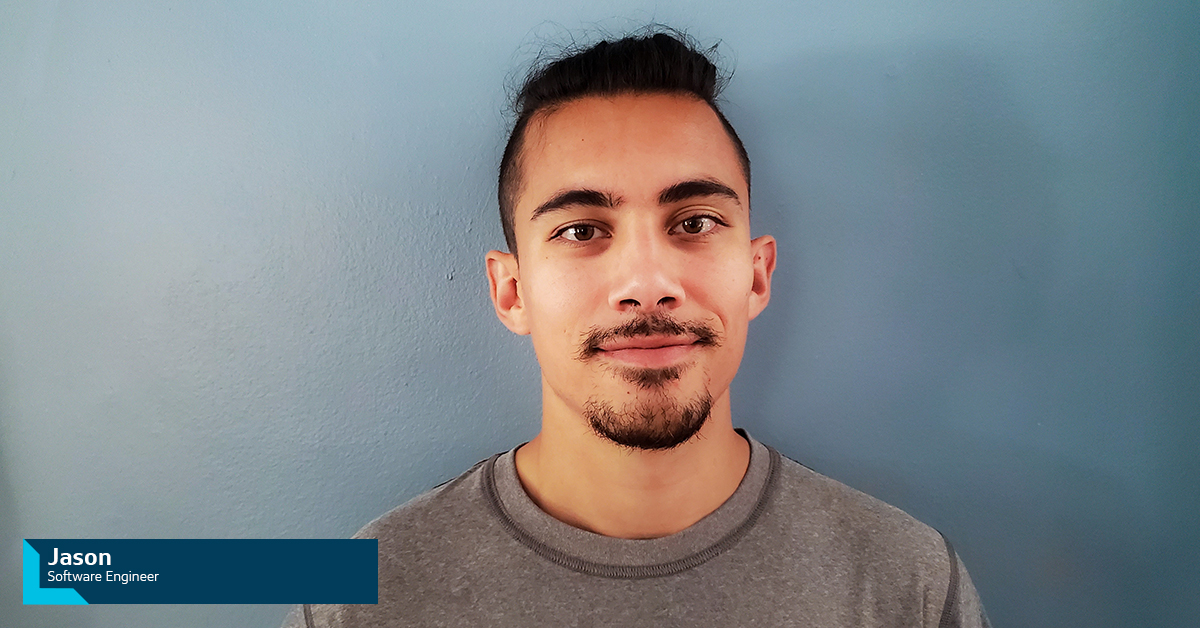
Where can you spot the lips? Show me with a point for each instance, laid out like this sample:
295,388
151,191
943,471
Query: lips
649,351
654,340
646,342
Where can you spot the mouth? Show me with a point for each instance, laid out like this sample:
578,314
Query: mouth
654,341
649,351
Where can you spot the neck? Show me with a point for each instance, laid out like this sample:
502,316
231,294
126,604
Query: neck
594,484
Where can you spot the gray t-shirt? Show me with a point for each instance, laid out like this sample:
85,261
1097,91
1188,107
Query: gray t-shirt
790,547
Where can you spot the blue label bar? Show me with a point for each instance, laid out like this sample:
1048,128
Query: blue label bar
201,571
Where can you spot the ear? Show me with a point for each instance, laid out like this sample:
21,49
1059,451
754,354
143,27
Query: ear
763,249
504,280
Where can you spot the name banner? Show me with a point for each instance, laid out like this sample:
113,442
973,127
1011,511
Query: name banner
200,571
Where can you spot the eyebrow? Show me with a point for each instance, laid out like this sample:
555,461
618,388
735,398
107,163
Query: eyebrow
583,197
684,190
695,188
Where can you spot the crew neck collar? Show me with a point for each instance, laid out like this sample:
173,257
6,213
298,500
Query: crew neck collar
611,557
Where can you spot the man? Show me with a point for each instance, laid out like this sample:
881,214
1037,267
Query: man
625,198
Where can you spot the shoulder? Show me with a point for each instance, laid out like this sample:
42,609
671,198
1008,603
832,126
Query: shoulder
448,506
433,520
833,509
420,542
854,540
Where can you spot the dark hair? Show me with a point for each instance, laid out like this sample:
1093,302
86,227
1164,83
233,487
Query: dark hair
653,63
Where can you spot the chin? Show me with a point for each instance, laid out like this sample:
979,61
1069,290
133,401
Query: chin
653,425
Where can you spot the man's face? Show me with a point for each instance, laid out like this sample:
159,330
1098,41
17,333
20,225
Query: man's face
637,277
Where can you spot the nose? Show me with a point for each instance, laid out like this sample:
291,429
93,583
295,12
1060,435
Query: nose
646,274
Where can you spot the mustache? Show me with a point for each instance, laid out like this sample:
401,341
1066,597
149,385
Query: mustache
648,325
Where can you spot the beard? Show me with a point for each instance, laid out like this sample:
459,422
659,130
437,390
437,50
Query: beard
661,421
649,426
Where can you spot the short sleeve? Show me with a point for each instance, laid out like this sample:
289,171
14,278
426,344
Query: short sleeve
962,609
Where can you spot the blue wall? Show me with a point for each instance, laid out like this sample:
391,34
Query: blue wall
241,288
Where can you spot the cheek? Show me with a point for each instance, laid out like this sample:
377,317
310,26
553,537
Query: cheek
729,298
723,287
557,305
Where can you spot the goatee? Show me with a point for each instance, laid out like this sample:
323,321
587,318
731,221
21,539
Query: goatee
649,427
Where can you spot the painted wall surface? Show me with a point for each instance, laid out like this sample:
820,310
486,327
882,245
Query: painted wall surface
241,287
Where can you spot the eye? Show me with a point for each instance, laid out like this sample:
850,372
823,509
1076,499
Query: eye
581,232
696,225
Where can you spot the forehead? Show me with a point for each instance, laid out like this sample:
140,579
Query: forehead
633,145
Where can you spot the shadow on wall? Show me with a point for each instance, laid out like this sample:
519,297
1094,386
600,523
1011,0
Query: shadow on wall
912,345
914,208
16,614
